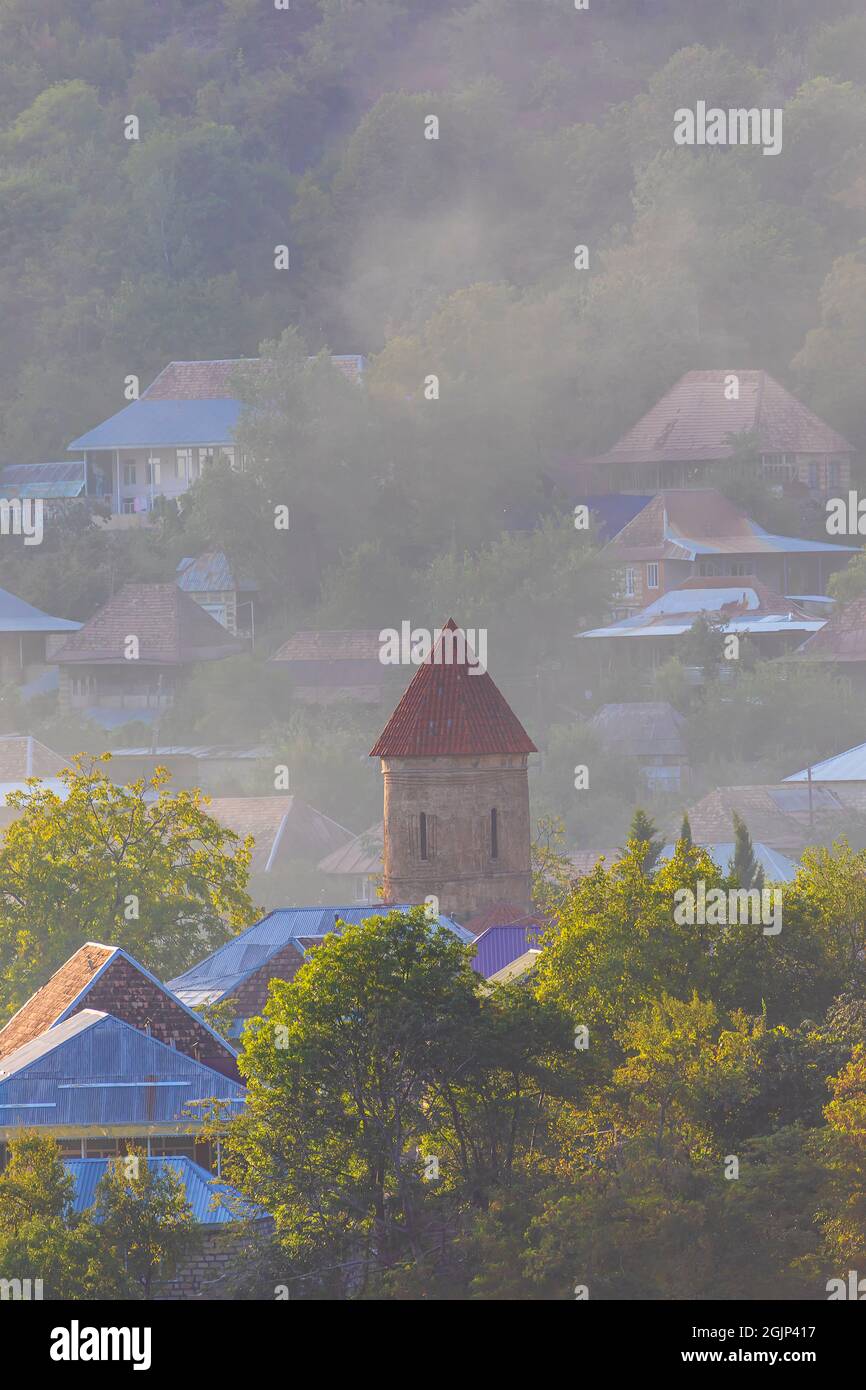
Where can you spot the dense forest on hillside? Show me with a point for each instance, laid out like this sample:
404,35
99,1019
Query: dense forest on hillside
260,127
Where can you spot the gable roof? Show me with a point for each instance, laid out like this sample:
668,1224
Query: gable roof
849,766
159,424
364,854
171,628
222,972
778,867
69,988
842,638
46,480
776,815
213,1203
22,755
213,380
211,572
683,523
349,644
504,914
188,403
451,708
693,419
641,728
497,947
18,616
94,1069
284,828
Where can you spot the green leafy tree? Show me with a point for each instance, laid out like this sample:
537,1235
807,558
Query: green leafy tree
137,866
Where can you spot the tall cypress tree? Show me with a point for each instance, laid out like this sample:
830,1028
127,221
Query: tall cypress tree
744,865
645,833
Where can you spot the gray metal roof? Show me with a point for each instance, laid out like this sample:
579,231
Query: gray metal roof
227,967
849,766
165,424
18,616
94,1069
778,868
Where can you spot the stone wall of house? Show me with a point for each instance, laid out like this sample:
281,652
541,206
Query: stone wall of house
219,1267
457,795
128,994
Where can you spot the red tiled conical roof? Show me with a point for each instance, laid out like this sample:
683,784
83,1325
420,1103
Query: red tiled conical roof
447,711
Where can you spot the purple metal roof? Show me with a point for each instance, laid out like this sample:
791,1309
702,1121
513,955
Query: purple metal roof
499,946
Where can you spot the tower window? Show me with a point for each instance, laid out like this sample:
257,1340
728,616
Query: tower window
494,834
422,835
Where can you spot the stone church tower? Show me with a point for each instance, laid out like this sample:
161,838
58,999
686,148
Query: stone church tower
454,762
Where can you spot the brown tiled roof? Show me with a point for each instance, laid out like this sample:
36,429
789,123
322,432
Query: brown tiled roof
692,420
172,629
447,711
22,755
45,1006
284,828
215,380
641,728
339,645
583,861
504,914
200,381
842,638
760,806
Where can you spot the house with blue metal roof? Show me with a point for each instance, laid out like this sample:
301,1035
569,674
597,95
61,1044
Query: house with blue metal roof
213,1203
98,1086
28,638
227,1226
211,581
157,446
275,949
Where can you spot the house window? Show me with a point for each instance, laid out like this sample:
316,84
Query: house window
707,568
494,834
423,846
153,472
184,464
128,506
205,456
130,474
629,582
780,466
652,575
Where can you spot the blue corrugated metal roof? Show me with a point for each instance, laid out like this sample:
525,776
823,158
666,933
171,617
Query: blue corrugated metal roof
778,868
93,1069
18,616
202,1189
232,963
164,424
210,573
